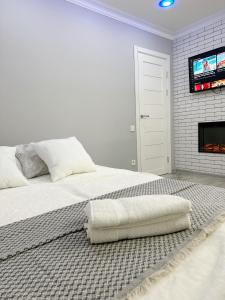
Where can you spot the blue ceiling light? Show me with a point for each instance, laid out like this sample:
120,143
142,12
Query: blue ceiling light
166,3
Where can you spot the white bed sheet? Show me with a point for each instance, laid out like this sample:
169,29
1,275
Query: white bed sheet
42,195
200,276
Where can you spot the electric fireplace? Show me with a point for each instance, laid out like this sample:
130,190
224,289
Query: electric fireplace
211,137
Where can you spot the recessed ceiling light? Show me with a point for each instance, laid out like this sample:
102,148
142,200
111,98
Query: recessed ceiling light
166,3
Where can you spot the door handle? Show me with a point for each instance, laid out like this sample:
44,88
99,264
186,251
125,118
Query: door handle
145,116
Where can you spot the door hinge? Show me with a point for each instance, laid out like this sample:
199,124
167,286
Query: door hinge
168,159
167,93
167,75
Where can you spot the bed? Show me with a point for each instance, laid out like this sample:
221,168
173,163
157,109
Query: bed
198,275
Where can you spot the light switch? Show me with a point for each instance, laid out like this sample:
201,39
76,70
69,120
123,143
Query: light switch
133,162
132,128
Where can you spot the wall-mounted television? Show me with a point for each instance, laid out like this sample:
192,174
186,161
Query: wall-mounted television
207,70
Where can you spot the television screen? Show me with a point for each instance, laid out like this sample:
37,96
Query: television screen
207,70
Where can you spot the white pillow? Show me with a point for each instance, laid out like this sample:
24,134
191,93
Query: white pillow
64,157
10,175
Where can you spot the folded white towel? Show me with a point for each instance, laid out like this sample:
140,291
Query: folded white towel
96,236
148,209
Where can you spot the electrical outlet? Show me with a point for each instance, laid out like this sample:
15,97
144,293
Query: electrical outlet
133,162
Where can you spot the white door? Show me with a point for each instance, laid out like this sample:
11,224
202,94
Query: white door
153,111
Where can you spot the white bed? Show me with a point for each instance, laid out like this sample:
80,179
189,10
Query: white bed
199,276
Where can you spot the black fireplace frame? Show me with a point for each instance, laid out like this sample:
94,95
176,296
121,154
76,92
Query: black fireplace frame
201,127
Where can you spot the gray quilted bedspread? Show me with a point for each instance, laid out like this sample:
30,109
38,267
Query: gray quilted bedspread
49,256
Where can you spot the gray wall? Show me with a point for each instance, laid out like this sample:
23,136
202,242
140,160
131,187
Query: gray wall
67,71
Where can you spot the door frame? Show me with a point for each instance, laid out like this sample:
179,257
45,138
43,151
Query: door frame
165,57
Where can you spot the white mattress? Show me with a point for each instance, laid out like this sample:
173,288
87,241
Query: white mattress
199,276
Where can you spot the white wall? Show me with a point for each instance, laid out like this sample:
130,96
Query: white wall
189,109
67,71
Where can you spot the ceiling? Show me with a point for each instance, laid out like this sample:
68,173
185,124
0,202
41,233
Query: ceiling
173,20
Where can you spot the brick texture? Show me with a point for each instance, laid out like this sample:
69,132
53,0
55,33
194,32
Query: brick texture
190,109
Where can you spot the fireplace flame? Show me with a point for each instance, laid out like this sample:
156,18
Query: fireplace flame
214,148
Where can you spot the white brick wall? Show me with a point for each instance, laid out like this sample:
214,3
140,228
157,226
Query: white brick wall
189,109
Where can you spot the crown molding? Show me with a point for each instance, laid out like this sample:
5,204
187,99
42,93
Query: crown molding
120,16
200,24
116,14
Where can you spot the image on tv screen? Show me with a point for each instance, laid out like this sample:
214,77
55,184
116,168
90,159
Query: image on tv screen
218,83
204,65
207,70
221,60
